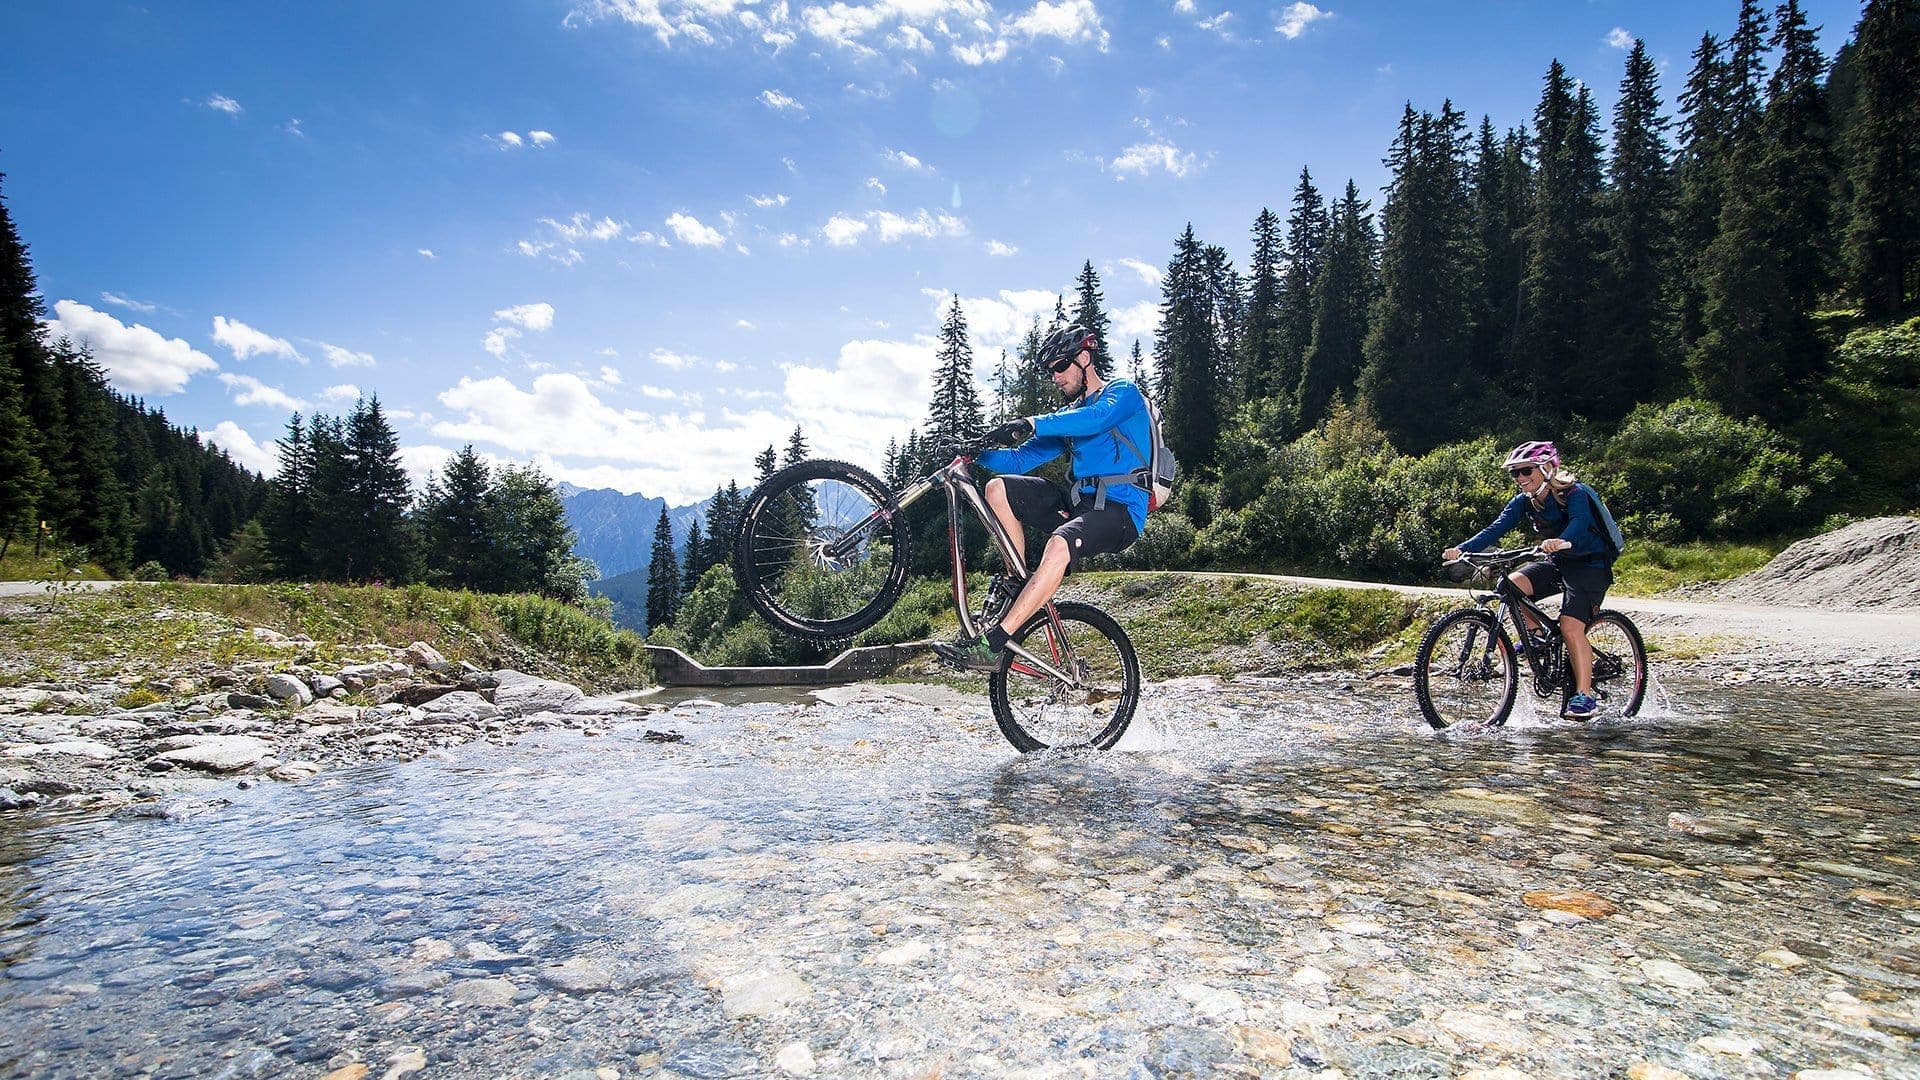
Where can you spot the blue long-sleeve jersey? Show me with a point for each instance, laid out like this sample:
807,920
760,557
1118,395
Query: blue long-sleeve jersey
1091,427
1574,523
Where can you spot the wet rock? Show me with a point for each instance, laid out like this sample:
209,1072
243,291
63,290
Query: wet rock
1668,973
1728,1045
518,694
1784,959
80,748
464,704
1484,1029
413,983
483,992
1718,830
762,993
214,753
1575,901
795,1059
580,975
1649,1070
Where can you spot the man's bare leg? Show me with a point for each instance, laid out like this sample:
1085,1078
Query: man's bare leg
1040,587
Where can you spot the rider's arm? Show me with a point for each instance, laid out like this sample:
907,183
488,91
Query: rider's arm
1026,457
1105,412
1510,516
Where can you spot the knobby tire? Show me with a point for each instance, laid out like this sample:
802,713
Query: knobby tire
786,569
1036,711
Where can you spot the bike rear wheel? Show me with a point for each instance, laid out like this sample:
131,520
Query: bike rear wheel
1619,665
821,553
1036,711
1465,672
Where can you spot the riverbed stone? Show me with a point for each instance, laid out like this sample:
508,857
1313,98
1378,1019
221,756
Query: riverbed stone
580,975
287,689
483,992
1574,901
519,694
762,993
214,753
1668,973
81,748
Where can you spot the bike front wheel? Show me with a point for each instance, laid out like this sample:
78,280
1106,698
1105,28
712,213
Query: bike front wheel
821,554
1092,706
1619,665
1465,672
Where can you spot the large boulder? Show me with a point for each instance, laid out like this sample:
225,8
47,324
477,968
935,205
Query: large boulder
1868,564
214,753
518,694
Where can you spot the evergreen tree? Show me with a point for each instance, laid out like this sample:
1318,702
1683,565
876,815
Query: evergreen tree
95,513
289,514
1883,238
1261,373
1184,352
454,523
1706,136
1088,312
1562,267
1763,272
954,415
796,447
1501,179
1747,73
1306,242
377,497
530,540
1137,368
22,478
693,560
765,464
1417,377
1226,317
663,576
1634,331
1342,295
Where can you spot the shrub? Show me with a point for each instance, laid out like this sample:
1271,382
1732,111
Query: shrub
1687,471
151,570
1868,411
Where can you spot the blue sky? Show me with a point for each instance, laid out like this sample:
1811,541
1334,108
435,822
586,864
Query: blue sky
635,241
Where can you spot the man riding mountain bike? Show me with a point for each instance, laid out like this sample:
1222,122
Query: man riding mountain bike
1105,428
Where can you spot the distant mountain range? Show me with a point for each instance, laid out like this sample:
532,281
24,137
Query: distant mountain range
616,533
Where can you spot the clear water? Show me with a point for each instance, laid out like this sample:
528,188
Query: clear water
1268,878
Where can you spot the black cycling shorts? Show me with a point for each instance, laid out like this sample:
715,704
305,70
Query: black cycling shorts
1039,502
1585,584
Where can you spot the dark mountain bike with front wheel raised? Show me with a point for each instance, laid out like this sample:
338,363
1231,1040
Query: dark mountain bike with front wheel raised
823,554
1468,669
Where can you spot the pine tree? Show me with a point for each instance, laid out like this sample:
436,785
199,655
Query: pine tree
1747,73
454,524
796,447
1417,379
1137,368
377,497
1634,330
22,478
529,539
1883,238
693,559
96,514
1226,308
1706,137
1088,312
1306,242
1260,370
1184,352
1501,179
289,514
1562,264
1763,272
953,415
1342,296
765,464
663,576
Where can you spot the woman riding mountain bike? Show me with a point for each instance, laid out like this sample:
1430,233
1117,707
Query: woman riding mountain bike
1580,550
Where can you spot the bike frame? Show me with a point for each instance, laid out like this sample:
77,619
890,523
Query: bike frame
957,482
1509,604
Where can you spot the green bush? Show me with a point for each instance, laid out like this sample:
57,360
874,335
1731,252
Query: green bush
1868,412
151,570
1687,471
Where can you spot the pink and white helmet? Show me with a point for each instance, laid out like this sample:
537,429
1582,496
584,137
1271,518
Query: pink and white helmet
1539,454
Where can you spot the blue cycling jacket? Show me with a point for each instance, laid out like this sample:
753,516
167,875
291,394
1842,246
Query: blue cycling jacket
1573,523
1090,425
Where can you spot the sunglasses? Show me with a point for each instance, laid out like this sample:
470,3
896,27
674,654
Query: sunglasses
1061,365
1524,470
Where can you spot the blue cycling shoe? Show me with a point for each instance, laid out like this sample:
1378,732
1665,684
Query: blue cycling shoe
1580,707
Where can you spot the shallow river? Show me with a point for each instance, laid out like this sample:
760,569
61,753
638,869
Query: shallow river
1281,878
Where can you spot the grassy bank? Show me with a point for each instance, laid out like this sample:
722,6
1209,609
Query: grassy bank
1648,567
156,629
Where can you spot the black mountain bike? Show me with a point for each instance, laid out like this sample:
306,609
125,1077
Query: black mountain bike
822,554
1467,671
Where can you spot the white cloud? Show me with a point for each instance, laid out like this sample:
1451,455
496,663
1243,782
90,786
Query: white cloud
874,391
535,317
690,231
132,305
725,367
136,359
1220,24
508,140
292,127
874,184
995,247
1297,17
667,358
1142,158
906,161
341,392
243,449
343,357
894,227
1139,320
541,138
581,226
988,52
1069,21
1148,272
223,103
843,231
251,391
996,322
779,102
764,201
497,340
1619,38
609,375
244,341
745,324
427,253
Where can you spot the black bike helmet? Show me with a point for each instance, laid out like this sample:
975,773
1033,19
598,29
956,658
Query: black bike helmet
1065,344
